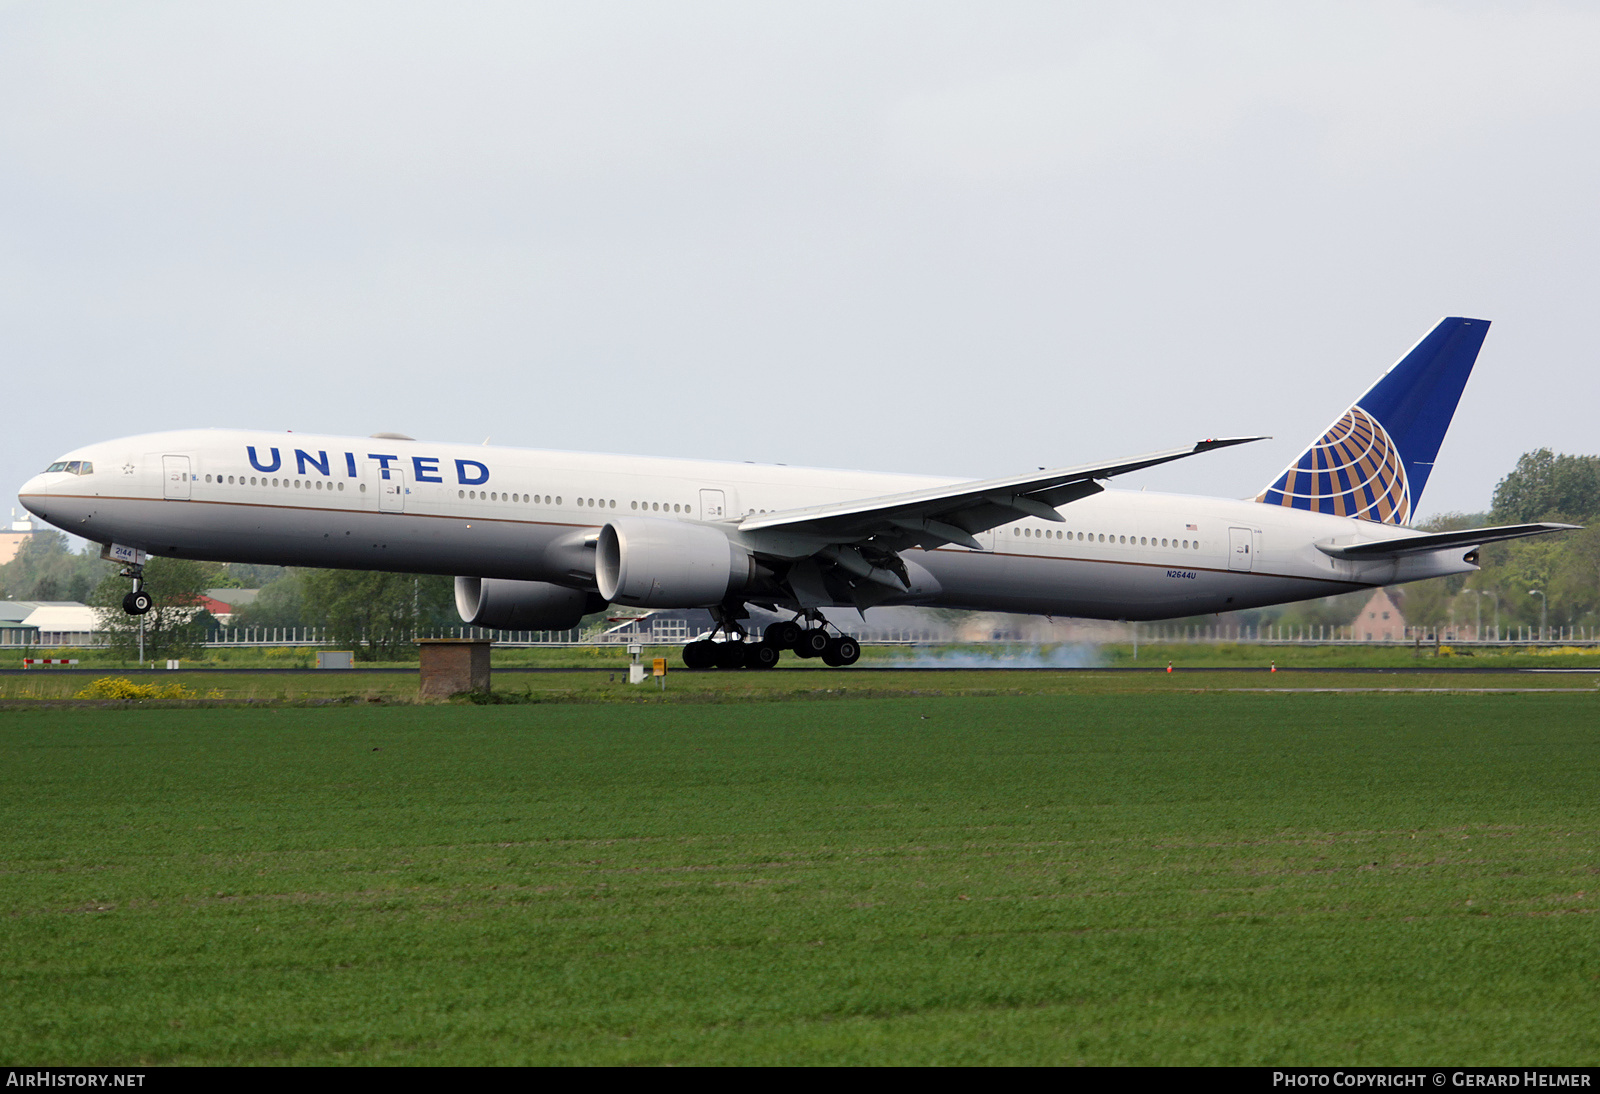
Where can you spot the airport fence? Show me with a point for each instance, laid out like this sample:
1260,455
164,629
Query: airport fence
1091,633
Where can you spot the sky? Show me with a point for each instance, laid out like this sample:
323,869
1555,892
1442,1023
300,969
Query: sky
965,239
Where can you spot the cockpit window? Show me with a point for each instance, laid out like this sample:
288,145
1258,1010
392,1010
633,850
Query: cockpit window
59,465
71,467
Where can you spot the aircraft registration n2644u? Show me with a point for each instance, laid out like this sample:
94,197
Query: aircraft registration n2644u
537,539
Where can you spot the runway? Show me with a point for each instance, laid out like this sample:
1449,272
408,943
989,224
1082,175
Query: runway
854,670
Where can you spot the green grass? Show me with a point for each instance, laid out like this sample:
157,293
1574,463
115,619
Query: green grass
1114,877
609,684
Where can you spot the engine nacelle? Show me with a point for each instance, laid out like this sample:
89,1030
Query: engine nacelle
504,605
648,563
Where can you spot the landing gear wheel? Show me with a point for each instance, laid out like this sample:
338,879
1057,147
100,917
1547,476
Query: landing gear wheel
730,655
841,651
137,603
700,655
761,655
812,642
783,636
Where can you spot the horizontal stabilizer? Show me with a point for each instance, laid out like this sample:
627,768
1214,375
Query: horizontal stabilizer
1437,541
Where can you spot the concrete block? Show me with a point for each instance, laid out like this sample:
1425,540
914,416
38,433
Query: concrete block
449,667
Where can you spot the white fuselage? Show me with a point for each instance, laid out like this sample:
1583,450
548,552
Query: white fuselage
400,505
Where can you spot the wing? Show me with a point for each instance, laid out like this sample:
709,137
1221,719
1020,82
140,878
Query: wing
946,514
1437,541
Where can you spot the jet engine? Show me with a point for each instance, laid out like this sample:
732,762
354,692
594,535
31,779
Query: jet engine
502,604
648,563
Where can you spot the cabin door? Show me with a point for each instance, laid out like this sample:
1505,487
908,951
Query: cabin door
392,490
175,472
712,505
1239,549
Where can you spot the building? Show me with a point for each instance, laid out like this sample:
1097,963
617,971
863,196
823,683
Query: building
48,623
14,629
64,623
223,603
1380,619
13,536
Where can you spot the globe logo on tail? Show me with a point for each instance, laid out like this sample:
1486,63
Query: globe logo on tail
1353,470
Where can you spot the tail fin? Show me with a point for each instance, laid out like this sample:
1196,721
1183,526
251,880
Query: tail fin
1374,461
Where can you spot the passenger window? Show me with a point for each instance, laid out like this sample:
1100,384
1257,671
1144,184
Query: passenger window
341,486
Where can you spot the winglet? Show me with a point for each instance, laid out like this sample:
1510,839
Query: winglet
1212,443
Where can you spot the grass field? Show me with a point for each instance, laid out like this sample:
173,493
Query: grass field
1126,874
609,685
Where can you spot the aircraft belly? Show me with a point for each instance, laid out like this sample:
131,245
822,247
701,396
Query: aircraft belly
292,536
1110,589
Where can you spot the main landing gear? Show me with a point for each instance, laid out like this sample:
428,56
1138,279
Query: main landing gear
735,651
807,635
137,602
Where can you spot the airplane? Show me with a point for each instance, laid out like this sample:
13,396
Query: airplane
538,539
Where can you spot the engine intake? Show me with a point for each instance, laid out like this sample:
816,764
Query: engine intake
504,605
649,563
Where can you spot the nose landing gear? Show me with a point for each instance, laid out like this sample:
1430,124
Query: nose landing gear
137,602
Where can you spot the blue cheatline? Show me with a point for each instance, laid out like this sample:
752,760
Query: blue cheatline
1374,461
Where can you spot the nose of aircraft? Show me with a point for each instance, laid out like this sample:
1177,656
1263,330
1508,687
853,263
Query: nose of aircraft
30,488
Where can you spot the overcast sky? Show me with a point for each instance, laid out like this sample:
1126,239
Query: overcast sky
955,238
